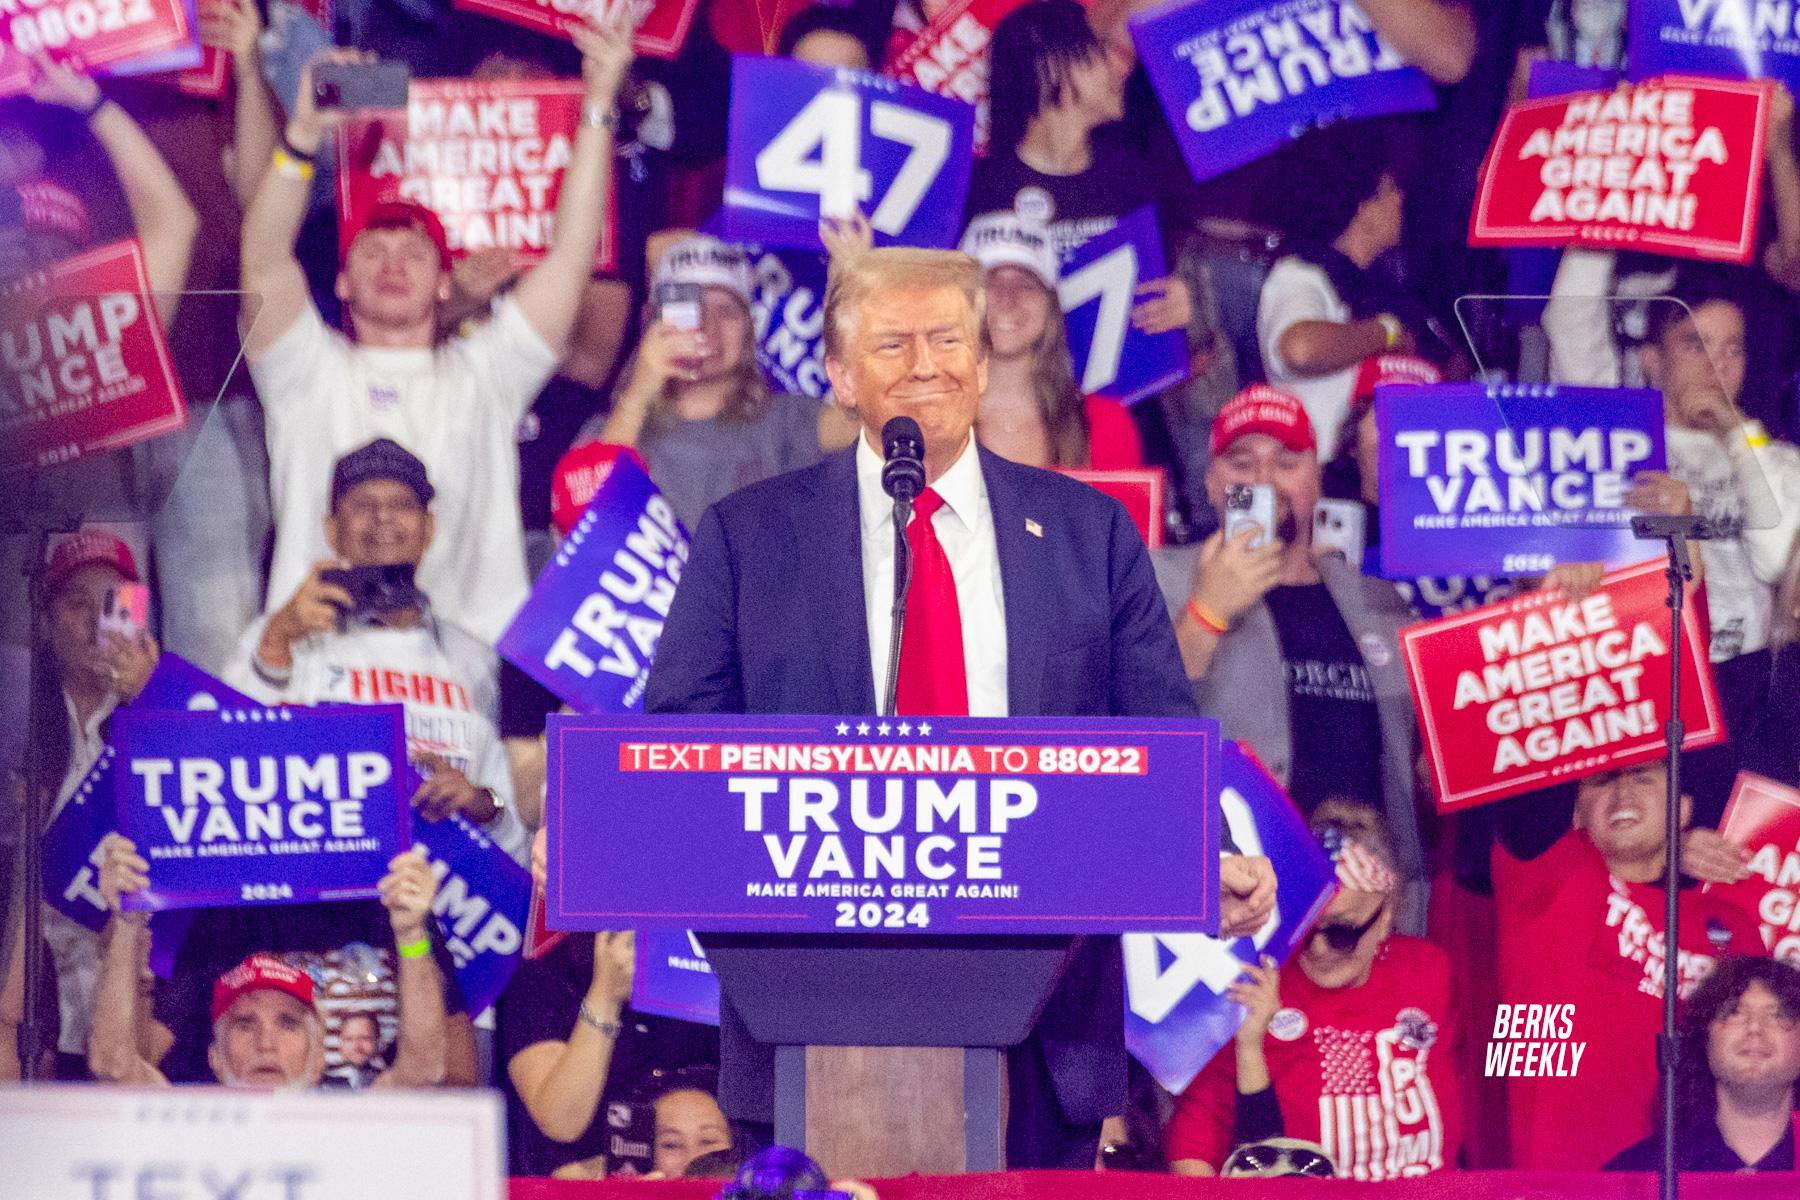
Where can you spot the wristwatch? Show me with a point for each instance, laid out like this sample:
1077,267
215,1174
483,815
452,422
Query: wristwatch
596,117
498,801
590,1017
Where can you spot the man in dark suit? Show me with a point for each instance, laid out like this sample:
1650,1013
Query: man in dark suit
1030,595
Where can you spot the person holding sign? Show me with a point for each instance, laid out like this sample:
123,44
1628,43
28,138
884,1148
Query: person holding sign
1581,958
1032,411
455,403
694,402
268,1030
1297,653
1032,595
1299,1066
358,631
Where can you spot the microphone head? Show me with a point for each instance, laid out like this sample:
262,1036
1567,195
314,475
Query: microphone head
903,446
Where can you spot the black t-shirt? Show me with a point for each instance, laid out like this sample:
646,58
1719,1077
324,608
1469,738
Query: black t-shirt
1703,1149
347,948
1332,713
1116,184
542,1004
545,434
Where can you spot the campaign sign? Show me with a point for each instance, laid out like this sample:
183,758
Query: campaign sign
1554,77
1511,481
84,366
72,841
262,806
1672,166
89,33
1540,689
1097,290
1763,816
935,825
788,305
808,142
483,898
487,156
1140,491
590,626
673,978
662,25
950,56
1238,79
1734,39
1177,1015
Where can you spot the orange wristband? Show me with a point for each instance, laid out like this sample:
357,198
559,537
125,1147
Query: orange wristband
1205,619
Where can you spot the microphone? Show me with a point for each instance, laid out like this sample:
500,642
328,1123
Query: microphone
903,446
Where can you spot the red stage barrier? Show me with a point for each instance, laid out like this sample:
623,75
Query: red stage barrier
1073,1185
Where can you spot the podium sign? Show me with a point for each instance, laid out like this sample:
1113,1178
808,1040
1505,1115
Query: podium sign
812,825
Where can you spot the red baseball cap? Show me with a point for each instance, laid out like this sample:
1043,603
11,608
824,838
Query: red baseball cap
1260,408
85,547
578,475
1379,370
257,973
405,214
51,208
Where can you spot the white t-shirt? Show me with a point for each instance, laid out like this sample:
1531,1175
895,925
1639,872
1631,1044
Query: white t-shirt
457,406
1757,502
1296,291
447,681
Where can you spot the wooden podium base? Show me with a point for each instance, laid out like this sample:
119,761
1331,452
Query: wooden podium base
872,1112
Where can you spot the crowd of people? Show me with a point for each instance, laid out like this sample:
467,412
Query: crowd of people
395,412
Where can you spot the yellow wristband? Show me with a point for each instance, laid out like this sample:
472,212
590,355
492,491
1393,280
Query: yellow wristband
418,949
1204,617
291,167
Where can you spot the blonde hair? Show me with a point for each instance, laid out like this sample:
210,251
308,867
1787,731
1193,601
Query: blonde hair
900,267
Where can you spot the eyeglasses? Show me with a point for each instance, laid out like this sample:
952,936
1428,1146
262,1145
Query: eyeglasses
1265,1159
1741,1018
1345,938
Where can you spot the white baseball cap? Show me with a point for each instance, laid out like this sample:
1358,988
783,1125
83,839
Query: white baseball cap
1004,239
707,261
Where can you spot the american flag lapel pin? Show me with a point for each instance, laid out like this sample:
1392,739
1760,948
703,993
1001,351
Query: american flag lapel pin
1033,528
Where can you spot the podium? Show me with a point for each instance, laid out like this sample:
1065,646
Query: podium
889,1050
887,907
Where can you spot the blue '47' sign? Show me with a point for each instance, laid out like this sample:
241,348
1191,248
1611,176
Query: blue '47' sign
808,142
1238,78
1097,290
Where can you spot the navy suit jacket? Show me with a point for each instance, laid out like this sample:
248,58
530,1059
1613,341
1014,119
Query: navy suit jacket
770,618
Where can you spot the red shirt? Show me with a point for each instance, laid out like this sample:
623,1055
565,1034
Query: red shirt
1572,933
1367,1072
1113,442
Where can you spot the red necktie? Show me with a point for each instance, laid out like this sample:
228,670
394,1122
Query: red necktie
932,679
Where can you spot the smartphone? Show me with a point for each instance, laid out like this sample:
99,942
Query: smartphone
1341,525
630,1138
374,590
126,611
1250,504
361,85
678,304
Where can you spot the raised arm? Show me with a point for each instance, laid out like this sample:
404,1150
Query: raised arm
561,1083
419,1053
114,1054
165,222
267,268
1436,36
550,292
236,26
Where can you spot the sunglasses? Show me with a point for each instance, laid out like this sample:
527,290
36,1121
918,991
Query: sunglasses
1261,1159
1345,938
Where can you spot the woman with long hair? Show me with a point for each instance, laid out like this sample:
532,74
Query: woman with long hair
1735,1082
1032,411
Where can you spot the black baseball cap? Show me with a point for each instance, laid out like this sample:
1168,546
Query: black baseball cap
382,458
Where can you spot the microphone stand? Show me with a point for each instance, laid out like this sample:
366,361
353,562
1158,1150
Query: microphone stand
1674,532
902,576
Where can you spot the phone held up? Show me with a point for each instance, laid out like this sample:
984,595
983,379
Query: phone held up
1248,505
355,86
678,305
126,613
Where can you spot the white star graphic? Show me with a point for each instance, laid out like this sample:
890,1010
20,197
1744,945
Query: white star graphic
843,727
905,729
884,729
863,728
924,729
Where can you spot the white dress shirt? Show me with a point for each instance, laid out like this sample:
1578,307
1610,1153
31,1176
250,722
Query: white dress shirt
965,528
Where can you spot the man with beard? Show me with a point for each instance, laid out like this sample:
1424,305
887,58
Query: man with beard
1297,654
